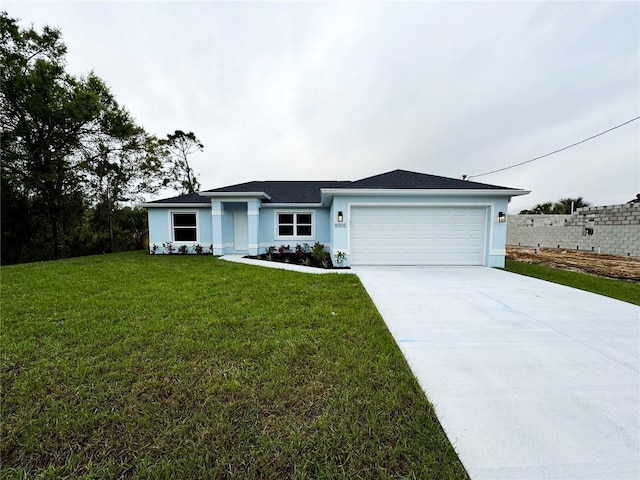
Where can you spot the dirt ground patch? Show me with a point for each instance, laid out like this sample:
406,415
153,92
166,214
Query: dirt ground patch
612,266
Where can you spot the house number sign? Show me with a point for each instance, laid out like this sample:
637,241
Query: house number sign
340,225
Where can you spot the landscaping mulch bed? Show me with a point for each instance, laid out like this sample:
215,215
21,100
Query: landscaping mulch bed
611,266
296,259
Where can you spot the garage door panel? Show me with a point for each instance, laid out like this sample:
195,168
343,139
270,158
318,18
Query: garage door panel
418,235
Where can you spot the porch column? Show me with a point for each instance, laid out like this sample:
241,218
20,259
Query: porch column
216,221
253,216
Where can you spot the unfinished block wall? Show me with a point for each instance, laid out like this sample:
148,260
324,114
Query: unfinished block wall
613,229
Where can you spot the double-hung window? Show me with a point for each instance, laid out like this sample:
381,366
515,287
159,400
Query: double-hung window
295,224
184,226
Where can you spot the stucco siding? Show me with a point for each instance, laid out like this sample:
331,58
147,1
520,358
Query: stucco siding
159,230
206,232
266,229
323,223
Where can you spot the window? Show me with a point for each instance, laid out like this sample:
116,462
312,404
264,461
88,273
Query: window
295,224
185,228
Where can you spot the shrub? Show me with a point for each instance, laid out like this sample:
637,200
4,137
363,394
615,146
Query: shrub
270,251
320,255
317,251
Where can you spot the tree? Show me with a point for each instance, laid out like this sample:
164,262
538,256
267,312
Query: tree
24,226
540,208
179,146
120,169
53,125
569,205
35,92
562,206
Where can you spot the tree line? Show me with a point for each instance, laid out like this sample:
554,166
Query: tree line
72,158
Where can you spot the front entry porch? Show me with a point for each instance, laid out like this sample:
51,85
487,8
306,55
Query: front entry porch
235,226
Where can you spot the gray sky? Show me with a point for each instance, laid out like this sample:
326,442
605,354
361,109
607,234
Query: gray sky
341,91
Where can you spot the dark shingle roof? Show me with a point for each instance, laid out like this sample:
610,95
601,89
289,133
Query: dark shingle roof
309,191
285,191
403,179
189,198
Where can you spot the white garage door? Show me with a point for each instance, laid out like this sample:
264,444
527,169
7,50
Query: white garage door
418,235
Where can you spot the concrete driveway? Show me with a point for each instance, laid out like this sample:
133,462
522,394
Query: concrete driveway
529,379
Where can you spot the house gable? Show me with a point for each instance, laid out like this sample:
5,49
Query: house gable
405,180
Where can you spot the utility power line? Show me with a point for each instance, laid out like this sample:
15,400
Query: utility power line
468,177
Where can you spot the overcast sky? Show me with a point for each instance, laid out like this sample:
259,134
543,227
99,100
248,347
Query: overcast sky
342,91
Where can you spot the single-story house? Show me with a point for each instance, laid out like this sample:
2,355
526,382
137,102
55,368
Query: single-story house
395,218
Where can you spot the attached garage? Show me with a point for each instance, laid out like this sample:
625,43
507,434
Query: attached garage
418,235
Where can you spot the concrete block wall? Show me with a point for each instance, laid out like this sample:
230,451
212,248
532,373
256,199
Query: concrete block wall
612,229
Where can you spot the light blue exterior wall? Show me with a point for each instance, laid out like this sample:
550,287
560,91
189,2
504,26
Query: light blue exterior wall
160,227
496,232
262,235
323,230
266,229
267,232
206,236
159,230
216,223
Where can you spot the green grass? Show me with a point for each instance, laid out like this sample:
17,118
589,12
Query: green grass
618,289
138,366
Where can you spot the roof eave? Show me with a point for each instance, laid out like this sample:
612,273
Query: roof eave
262,195
173,205
293,205
485,192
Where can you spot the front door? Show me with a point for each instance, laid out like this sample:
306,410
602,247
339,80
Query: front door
240,231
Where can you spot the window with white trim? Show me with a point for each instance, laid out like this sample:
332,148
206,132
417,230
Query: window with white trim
184,226
295,224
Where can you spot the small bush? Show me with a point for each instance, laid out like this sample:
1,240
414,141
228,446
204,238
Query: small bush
270,252
320,255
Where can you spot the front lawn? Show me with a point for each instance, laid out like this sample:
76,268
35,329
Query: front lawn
139,366
626,291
